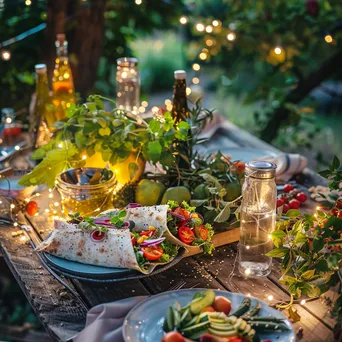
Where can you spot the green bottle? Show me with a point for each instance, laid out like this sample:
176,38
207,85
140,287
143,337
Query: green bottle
180,110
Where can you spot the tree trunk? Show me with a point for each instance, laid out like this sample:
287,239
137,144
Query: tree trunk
87,44
304,87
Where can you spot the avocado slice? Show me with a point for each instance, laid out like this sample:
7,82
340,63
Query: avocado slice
207,300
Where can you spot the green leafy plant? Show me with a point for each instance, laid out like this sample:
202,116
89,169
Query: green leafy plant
115,135
310,248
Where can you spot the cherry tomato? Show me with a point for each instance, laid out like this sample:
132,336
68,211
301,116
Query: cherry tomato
98,236
334,212
222,304
294,204
152,252
208,309
240,166
339,214
202,232
285,199
288,187
148,233
301,197
133,239
235,339
173,336
338,204
32,208
286,208
280,202
183,212
186,235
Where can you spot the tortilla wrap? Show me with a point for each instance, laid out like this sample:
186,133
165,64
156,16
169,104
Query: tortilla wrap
152,216
114,250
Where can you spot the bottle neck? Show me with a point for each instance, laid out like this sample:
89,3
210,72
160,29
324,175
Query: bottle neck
42,87
62,51
179,88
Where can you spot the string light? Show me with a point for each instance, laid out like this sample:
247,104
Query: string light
23,238
328,38
248,294
144,103
47,210
209,29
247,271
200,27
183,20
17,148
216,23
37,194
270,297
28,2
195,80
5,55
155,109
188,91
12,206
302,302
278,50
84,157
56,204
8,120
209,42
138,2
142,109
167,102
203,56
196,66
15,224
169,107
231,36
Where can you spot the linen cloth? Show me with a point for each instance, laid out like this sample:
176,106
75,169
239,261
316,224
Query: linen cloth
104,321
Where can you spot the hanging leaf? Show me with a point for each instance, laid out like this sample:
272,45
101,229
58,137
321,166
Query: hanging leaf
224,214
154,150
133,168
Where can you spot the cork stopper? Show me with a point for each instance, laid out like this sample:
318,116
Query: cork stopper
180,75
61,37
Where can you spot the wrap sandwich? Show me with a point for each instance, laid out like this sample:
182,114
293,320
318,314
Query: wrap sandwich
116,239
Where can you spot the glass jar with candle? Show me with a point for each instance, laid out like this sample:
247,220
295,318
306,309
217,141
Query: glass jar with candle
82,191
128,84
258,216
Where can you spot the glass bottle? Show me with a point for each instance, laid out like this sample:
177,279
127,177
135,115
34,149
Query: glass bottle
10,129
180,109
128,84
43,113
62,81
258,217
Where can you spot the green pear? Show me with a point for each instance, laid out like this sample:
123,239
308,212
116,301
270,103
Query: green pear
149,192
178,193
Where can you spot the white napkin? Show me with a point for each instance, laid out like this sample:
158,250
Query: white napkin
288,164
104,321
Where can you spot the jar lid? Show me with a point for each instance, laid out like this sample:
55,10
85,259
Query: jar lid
40,68
261,169
7,112
180,75
127,61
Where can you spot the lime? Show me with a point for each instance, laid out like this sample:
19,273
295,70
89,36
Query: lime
178,193
200,192
233,191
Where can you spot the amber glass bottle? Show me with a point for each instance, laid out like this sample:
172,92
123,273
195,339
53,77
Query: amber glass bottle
180,109
62,81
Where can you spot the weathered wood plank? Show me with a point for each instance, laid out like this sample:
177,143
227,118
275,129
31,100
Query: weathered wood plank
61,315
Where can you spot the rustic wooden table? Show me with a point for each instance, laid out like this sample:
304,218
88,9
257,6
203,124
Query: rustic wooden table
63,315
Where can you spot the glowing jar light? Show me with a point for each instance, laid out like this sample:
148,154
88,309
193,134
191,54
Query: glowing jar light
128,84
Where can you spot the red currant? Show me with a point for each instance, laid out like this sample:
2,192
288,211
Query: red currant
301,197
286,208
294,204
32,208
334,212
339,214
288,187
280,202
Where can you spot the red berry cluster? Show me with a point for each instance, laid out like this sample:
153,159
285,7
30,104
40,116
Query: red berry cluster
291,198
337,210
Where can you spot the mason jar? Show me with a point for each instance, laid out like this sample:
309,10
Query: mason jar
257,218
86,199
128,84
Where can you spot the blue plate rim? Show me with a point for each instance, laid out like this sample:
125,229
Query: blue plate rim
125,322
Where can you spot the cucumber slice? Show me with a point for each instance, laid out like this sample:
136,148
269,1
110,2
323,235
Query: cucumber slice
191,322
242,326
217,320
169,320
237,324
201,327
221,327
232,319
208,299
185,317
231,333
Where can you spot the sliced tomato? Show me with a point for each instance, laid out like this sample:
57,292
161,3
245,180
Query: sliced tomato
186,235
133,239
202,232
153,252
97,236
183,212
148,233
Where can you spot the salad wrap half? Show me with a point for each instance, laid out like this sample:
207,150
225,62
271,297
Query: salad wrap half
99,241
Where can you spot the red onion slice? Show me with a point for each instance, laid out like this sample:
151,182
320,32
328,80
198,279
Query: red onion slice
133,205
152,242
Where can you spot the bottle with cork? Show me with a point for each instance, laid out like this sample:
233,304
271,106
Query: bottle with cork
62,80
180,111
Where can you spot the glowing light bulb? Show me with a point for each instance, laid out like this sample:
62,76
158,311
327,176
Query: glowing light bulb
12,206
270,297
56,204
47,210
50,195
8,120
28,2
84,157
138,2
183,20
203,56
155,109
23,238
209,29
247,247
248,294
195,80
144,103
303,301
196,66
188,91
216,23
200,27
15,224
247,271
17,148
231,36
142,109
328,38
278,50
167,102
169,107
60,145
